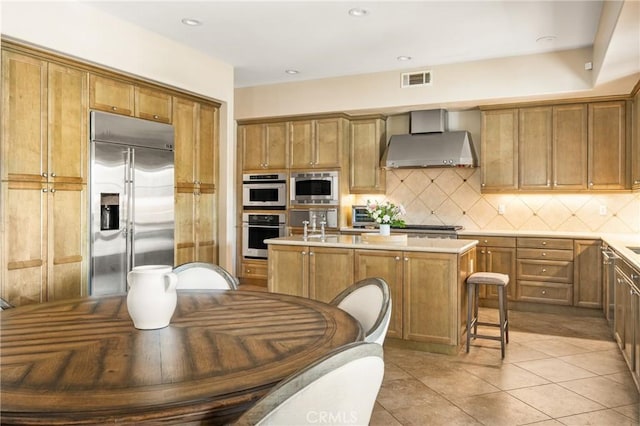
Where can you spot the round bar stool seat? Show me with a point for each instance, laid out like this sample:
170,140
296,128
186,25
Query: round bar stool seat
501,281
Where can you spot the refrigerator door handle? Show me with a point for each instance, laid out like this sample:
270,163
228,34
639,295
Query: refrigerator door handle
128,173
132,207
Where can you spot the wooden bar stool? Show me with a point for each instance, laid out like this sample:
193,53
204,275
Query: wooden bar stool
473,283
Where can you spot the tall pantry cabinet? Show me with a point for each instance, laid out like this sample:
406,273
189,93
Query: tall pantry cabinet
196,127
44,176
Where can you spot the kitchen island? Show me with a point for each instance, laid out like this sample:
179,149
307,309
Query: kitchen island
426,277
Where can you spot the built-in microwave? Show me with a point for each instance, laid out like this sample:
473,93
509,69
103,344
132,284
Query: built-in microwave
315,188
264,191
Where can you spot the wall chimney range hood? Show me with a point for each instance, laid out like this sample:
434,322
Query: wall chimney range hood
429,144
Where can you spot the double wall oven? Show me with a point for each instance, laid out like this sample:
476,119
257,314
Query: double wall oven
261,193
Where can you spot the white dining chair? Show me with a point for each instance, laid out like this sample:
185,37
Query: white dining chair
200,275
4,304
340,388
368,301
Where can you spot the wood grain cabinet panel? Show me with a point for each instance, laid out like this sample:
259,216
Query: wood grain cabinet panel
115,96
366,148
570,147
387,265
263,145
288,270
196,144
330,272
587,285
499,146
496,254
534,145
24,117
607,145
316,143
153,105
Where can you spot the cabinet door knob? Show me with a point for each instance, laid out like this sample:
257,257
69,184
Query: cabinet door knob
397,257
44,175
155,116
544,243
406,259
590,184
544,291
544,270
114,108
53,190
482,184
303,253
482,251
53,174
544,254
44,189
310,253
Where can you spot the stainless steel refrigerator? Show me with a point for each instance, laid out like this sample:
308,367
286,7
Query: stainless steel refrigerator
132,202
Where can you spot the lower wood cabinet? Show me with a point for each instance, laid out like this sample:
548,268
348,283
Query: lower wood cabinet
320,273
45,253
428,290
496,254
195,225
587,274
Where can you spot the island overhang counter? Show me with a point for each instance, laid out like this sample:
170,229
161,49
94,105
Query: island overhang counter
426,277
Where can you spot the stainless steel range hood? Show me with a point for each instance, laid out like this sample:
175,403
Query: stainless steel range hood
430,144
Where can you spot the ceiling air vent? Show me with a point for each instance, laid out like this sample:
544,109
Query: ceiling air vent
417,78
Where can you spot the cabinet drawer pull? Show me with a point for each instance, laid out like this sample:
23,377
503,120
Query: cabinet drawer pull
544,243
544,270
544,291
544,254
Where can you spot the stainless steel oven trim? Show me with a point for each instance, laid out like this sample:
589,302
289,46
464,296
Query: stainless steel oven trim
281,203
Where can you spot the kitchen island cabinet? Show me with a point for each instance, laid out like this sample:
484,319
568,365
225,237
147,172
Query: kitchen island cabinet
426,277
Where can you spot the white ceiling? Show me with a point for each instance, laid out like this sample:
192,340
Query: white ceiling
320,39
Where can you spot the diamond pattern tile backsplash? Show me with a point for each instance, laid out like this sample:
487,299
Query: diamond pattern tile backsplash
452,197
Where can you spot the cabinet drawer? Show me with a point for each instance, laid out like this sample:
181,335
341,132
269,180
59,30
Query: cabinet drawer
544,254
543,270
543,292
484,240
546,243
254,269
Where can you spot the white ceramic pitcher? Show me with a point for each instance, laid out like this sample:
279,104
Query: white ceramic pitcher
152,296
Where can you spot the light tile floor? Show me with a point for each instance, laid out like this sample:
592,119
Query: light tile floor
558,370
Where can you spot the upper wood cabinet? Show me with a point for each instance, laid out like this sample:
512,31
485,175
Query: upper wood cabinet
367,144
153,105
264,146
534,147
316,143
121,97
499,150
565,147
607,145
569,147
195,127
44,120
110,95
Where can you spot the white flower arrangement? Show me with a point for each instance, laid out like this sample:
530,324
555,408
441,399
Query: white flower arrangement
386,213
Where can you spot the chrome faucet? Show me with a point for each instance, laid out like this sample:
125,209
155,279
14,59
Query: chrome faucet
305,233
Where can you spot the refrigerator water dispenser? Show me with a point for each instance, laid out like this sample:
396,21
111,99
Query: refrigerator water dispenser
109,211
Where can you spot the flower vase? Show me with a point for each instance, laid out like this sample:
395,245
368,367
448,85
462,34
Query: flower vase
385,229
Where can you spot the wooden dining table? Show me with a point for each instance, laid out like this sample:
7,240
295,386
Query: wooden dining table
81,361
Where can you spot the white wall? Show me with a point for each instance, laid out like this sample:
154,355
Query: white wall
455,86
75,29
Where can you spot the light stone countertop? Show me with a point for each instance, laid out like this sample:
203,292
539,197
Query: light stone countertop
430,245
619,242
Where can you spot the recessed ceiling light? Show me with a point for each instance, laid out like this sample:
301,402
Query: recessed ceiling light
549,39
358,12
292,72
191,22
404,58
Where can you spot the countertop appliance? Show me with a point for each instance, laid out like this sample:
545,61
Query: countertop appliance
360,218
266,191
132,202
430,144
258,227
315,188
